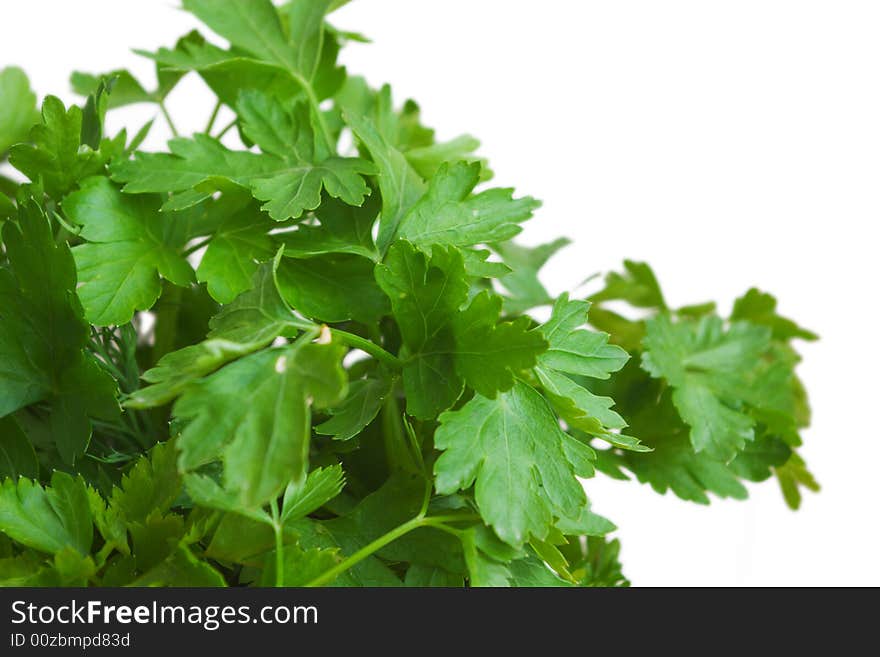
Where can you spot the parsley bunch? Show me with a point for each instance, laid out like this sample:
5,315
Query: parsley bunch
310,360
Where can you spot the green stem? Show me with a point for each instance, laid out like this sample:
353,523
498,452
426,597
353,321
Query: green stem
198,245
167,116
426,496
106,363
316,109
396,449
213,118
446,528
369,347
278,529
366,551
229,126
167,311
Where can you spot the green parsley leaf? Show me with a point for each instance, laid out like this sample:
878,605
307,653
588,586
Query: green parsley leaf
131,247
55,158
314,255
239,242
332,288
514,451
488,354
18,107
525,290
263,450
425,293
448,214
760,308
705,365
357,410
47,519
43,337
400,185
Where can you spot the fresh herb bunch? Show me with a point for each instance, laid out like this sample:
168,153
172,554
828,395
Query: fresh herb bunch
299,363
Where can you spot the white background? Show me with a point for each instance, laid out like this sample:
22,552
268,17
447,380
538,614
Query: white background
730,144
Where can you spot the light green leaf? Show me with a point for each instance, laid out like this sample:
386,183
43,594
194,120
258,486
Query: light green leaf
322,485
532,572
427,160
227,73
297,188
248,324
343,229
131,246
151,486
110,522
425,294
300,566
204,491
18,107
579,407
357,410
239,242
760,308
674,466
55,157
513,450
332,288
488,354
254,26
305,19
792,476
191,164
525,290
400,185
449,214
707,367
234,413
181,568
576,350
47,519
483,571
637,285
289,181
126,90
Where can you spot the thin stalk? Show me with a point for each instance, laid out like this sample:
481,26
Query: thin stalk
229,126
167,311
426,497
316,109
167,116
368,346
213,118
446,528
107,364
396,450
419,521
278,529
198,245
366,551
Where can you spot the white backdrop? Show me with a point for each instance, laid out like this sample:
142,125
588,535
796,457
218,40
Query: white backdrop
729,144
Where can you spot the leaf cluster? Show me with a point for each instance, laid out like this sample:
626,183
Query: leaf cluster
302,349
